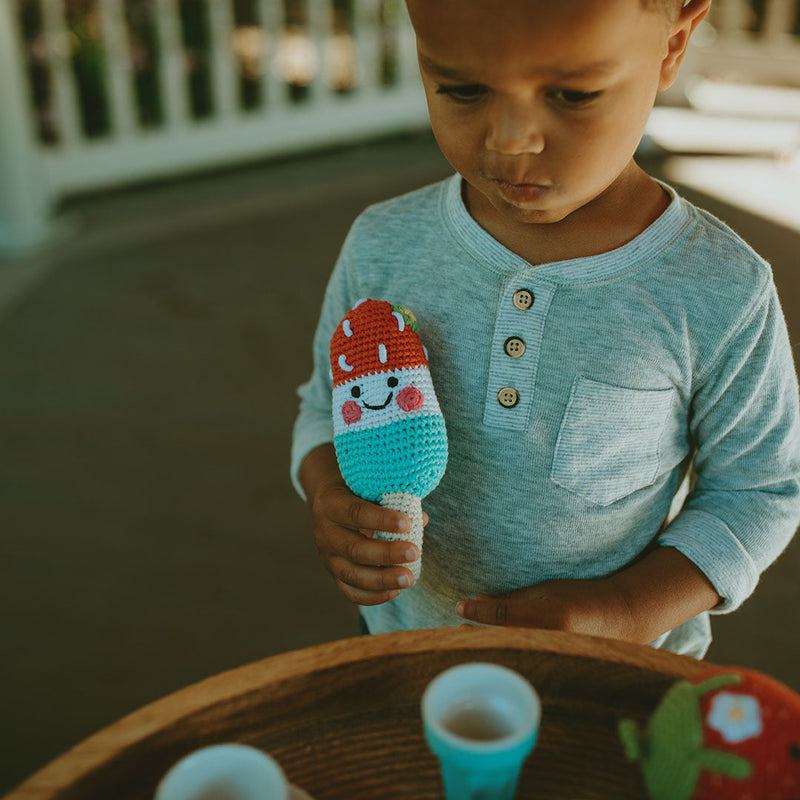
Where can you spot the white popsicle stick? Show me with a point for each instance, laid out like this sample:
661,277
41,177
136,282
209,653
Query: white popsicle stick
411,506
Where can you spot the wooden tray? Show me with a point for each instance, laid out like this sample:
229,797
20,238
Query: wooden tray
343,718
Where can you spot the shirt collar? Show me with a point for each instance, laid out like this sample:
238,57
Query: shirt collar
488,251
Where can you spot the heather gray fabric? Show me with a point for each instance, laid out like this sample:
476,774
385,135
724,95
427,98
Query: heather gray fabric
670,346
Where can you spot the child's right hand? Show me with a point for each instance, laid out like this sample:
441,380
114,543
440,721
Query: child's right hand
367,571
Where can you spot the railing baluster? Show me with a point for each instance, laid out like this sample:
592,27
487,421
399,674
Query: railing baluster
172,64
271,18
408,66
779,17
58,42
120,68
368,44
318,21
25,198
732,17
224,69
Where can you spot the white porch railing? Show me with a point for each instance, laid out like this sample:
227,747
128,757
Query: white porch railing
101,93
270,77
756,42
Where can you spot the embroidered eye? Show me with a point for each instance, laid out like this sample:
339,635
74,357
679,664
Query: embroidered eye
392,382
794,751
356,391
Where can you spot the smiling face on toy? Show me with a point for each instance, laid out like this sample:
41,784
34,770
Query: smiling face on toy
382,398
367,394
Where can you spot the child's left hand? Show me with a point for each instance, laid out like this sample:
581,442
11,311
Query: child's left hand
653,595
594,607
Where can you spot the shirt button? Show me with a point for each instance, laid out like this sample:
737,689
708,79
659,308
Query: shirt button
508,397
522,299
514,347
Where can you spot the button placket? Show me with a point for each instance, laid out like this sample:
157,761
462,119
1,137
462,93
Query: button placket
515,354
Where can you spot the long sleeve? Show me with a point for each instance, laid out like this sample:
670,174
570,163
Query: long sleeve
314,423
745,505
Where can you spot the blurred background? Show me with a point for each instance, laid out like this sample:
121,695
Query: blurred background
176,178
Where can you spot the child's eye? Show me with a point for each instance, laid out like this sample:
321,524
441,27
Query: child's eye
573,98
467,93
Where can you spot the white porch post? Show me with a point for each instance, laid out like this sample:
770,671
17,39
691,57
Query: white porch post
24,203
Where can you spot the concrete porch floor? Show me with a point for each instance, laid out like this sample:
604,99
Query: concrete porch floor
148,370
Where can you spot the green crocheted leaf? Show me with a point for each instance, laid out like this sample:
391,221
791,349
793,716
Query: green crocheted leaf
409,318
714,683
676,724
728,764
674,741
671,751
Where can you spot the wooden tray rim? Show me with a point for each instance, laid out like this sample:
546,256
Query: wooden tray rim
148,720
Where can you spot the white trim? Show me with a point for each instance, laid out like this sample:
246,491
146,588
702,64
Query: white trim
101,164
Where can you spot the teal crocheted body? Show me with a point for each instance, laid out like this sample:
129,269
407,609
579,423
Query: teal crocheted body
408,455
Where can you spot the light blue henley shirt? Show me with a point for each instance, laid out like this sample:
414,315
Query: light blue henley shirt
670,347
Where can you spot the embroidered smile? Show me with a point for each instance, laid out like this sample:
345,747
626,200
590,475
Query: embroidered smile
378,408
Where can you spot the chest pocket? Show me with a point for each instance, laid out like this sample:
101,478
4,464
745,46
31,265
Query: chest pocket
610,440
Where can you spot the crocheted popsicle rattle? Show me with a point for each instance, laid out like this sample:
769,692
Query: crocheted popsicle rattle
726,734
389,433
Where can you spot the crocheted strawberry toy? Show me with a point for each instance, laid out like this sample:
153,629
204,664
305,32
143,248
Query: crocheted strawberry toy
728,734
389,433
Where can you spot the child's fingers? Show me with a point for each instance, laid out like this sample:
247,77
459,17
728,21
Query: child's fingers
353,512
363,550
370,579
425,520
365,598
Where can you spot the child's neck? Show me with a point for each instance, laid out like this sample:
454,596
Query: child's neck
609,221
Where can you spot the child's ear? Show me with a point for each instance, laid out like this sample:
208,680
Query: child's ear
691,15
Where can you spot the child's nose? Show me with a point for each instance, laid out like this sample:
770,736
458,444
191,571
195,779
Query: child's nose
515,128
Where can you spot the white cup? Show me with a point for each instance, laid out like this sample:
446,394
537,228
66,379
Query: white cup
481,721
224,772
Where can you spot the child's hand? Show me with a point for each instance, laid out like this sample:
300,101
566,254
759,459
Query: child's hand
594,607
361,566
637,604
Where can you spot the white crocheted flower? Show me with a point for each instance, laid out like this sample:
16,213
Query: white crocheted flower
737,717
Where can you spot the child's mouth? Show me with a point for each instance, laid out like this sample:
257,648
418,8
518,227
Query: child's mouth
521,192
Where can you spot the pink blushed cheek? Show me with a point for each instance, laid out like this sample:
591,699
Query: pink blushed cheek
410,399
351,412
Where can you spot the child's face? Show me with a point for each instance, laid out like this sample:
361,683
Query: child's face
539,104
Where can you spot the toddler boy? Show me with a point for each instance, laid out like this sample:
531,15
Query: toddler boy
592,338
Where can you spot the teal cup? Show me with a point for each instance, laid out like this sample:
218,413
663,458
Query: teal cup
481,722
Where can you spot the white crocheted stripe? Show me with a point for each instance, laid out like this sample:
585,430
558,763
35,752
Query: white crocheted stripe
374,390
411,506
